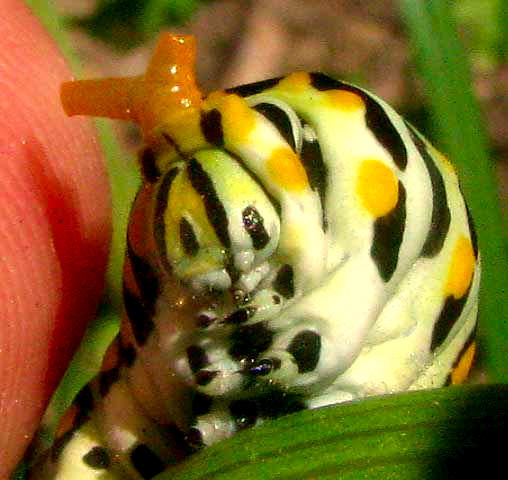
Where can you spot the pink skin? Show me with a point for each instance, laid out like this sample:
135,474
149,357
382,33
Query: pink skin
54,227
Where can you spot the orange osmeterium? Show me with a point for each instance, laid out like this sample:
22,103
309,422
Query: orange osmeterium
165,94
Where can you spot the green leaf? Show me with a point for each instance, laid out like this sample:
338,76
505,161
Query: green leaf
461,132
420,435
84,365
125,179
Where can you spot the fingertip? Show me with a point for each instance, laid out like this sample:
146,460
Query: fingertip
54,227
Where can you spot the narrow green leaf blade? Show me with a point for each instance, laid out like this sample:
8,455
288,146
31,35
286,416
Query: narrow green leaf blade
408,436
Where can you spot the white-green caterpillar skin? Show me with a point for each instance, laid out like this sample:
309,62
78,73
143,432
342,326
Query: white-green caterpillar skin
316,250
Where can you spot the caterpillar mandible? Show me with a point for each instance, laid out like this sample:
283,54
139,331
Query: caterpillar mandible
294,243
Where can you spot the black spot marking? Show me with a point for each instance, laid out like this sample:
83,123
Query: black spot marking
97,458
178,441
244,413
204,320
237,317
276,403
146,462
250,340
376,118
211,126
188,238
201,404
306,349
160,209
276,299
470,339
440,220
450,313
323,82
279,119
196,356
272,404
240,316
253,223
84,400
127,354
254,88
148,161
194,439
106,379
215,211
317,172
204,377
472,232
283,283
139,315
388,235
146,278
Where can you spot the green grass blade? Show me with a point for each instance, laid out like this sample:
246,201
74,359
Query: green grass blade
124,181
46,13
421,435
460,130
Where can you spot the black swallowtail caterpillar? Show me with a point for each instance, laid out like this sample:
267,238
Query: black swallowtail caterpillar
295,243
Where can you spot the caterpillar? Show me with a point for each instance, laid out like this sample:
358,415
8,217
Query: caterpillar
295,243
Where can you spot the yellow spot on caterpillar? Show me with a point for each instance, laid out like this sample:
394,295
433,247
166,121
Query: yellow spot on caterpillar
377,187
194,208
461,371
214,99
461,269
183,129
344,100
237,117
286,170
294,83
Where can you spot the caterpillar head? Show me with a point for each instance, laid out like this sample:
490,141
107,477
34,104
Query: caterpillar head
214,223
